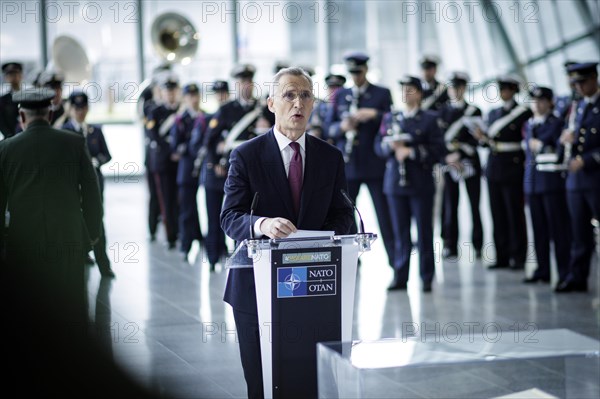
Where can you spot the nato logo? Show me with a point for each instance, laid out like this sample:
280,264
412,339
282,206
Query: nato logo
305,281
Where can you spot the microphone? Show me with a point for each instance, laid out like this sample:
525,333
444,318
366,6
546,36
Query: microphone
252,208
361,229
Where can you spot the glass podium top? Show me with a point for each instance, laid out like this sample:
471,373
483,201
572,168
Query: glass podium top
249,250
474,347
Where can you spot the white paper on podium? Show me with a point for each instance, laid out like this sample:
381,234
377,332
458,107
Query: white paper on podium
533,393
311,234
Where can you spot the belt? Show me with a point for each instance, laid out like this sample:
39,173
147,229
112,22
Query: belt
507,146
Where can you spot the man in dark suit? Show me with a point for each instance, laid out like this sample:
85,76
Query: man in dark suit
583,189
50,191
299,178
353,125
12,73
98,150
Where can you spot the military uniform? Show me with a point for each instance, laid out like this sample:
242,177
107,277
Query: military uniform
9,110
164,170
545,194
460,141
409,186
181,137
435,94
219,128
504,173
54,217
583,188
98,151
322,108
363,166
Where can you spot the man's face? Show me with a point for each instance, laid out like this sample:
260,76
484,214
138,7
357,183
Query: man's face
292,105
192,100
507,93
222,96
456,92
411,95
587,87
246,86
169,95
14,78
541,106
359,77
79,113
57,96
429,73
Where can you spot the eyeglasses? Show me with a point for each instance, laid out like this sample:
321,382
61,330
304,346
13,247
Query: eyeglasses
291,96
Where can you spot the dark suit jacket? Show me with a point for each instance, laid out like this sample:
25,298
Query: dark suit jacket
256,166
49,184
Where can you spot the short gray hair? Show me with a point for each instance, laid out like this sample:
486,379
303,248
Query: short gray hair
37,113
294,71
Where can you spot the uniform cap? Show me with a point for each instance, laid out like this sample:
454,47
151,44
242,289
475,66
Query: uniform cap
243,71
33,98
356,61
413,81
78,99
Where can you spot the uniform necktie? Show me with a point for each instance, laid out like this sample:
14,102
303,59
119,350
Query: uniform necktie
295,176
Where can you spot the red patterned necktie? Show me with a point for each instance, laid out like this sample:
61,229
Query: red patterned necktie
295,176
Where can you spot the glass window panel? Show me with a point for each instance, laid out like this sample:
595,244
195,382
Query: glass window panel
594,6
584,49
547,20
20,23
560,83
511,18
348,33
572,23
538,73
106,33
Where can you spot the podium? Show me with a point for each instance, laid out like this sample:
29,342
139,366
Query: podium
305,295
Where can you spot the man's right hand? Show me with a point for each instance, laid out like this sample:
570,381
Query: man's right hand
277,227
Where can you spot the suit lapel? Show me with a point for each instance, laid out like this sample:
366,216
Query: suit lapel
276,171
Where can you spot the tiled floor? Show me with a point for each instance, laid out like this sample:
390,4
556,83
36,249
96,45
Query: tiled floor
170,330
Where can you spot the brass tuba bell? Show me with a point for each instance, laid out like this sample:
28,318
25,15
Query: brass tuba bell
174,38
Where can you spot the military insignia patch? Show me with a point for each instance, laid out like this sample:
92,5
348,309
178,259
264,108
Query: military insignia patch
213,123
151,123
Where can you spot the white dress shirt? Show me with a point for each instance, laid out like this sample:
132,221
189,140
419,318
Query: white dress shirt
286,156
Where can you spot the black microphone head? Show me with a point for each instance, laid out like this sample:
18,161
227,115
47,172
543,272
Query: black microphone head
254,201
347,198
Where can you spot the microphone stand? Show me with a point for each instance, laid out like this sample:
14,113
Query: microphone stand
362,239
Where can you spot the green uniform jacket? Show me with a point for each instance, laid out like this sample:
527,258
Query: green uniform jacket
50,189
